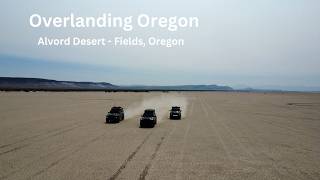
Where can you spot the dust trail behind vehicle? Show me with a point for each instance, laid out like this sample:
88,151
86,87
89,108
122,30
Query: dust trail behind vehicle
162,104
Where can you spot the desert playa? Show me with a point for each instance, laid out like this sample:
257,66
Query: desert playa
222,135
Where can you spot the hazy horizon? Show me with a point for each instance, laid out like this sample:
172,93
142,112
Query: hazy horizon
61,72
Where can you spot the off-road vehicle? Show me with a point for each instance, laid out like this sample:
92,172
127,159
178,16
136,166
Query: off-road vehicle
115,115
148,119
175,112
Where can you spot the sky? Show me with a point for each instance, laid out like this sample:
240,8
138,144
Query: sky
259,44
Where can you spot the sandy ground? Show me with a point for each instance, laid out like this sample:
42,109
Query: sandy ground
46,135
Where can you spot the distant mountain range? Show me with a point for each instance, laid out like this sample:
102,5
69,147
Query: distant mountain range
47,84
18,83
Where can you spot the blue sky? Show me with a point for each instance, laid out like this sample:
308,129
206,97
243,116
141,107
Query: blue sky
265,43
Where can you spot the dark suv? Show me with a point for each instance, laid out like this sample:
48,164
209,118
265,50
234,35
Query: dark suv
115,115
175,112
148,119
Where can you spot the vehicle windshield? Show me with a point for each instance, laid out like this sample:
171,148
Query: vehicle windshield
175,109
115,110
148,114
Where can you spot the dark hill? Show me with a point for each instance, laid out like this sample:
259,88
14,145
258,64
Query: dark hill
18,83
47,84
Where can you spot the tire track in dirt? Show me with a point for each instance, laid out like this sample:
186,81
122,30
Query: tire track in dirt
43,119
66,156
47,136
38,135
274,166
275,123
167,135
244,149
225,148
80,147
52,107
145,171
12,150
129,158
184,141
271,160
43,136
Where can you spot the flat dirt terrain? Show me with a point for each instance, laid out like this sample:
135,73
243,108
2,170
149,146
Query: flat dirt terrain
58,136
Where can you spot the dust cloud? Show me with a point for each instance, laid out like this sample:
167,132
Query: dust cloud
162,104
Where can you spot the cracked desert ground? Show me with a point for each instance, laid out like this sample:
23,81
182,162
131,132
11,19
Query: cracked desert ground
223,135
